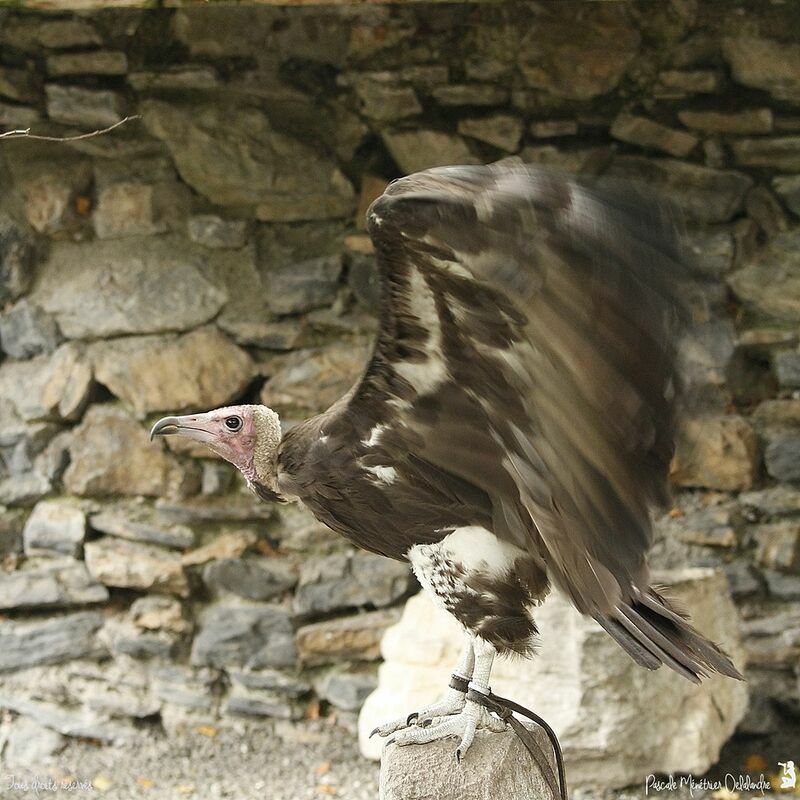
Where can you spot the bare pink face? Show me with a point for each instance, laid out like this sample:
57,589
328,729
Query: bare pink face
230,432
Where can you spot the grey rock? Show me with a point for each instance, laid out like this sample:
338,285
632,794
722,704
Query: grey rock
55,528
19,254
19,84
246,316
129,565
717,453
778,545
185,686
70,381
149,372
250,703
741,579
56,585
754,120
95,62
183,76
415,150
347,690
470,94
782,586
153,167
52,189
772,636
85,108
780,152
550,128
787,367
578,58
280,683
157,613
715,526
310,380
54,459
217,233
50,641
764,64
124,638
776,501
23,387
673,83
11,523
788,187
231,508
714,250
583,161
140,524
17,117
30,744
24,489
763,207
26,330
705,353
217,478
363,279
773,416
350,580
354,638
244,636
498,766
265,693
69,722
499,130
782,457
127,208
66,33
22,456
143,288
253,579
770,282
119,687
233,156
301,287
704,194
652,135
383,100
112,454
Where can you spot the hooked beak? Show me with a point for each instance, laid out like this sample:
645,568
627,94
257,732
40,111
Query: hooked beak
192,426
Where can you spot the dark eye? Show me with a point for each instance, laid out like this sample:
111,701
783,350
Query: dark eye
233,423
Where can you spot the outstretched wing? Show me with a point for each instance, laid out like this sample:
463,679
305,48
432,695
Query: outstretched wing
527,346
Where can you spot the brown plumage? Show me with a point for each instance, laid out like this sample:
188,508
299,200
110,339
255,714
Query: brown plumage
515,424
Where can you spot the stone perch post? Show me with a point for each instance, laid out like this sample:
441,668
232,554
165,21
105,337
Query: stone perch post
496,767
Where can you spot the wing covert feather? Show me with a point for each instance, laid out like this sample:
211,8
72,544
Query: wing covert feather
558,317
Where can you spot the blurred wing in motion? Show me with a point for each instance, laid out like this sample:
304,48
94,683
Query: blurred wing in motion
549,309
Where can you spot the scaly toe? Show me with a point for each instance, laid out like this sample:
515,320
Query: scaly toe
463,725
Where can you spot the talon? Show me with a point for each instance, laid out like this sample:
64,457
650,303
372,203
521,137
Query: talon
389,741
458,755
411,717
426,723
374,731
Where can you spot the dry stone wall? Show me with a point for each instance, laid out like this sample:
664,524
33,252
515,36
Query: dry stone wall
213,251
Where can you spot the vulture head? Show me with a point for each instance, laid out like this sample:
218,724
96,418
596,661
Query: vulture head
246,436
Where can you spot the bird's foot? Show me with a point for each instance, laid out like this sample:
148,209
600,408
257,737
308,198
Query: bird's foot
463,724
452,703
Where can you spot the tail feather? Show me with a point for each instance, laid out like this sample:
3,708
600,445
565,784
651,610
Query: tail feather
653,632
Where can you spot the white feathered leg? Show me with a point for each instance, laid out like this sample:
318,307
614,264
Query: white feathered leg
451,703
470,718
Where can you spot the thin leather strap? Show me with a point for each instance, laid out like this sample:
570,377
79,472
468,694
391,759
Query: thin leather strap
459,683
504,709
